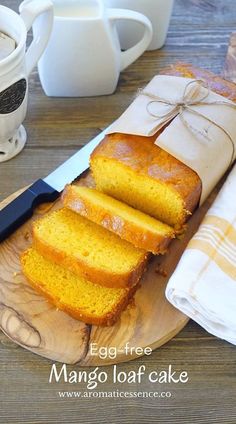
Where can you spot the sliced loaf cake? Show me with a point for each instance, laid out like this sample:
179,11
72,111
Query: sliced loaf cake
136,171
88,249
130,224
74,295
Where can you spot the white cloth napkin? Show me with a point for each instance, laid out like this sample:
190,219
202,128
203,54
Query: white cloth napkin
203,285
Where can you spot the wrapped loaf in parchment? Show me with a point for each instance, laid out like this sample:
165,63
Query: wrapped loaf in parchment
133,169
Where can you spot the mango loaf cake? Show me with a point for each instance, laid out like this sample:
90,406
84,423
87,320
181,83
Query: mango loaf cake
88,249
130,224
75,295
134,170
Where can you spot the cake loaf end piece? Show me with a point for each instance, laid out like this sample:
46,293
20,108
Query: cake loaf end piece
134,170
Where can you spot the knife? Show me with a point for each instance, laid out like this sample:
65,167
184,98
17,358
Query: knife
46,189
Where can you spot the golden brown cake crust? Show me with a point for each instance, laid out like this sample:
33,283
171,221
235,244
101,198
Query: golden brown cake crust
216,83
144,157
141,238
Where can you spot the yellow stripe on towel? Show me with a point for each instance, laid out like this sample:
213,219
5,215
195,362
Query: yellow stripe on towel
216,238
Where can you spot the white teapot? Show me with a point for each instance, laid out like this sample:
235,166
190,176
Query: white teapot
83,56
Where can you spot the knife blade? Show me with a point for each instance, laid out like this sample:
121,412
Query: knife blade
46,189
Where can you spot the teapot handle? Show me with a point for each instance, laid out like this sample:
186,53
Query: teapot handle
130,55
43,11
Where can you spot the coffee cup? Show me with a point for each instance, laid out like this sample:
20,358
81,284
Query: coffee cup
16,67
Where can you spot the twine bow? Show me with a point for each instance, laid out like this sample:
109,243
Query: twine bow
192,96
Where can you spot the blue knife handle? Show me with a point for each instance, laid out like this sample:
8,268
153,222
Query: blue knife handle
21,209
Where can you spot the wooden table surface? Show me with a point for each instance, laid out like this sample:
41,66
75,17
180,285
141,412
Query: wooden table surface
199,33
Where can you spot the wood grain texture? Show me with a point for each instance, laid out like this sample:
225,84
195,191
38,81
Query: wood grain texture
199,33
30,321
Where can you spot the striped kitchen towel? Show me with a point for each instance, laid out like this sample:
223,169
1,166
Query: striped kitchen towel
203,285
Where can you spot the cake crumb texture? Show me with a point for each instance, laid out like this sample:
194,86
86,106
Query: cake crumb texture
88,249
75,295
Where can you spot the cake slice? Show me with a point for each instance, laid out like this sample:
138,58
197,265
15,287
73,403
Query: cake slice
130,224
74,295
88,249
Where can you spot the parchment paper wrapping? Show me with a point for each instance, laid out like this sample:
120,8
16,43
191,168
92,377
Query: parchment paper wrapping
201,145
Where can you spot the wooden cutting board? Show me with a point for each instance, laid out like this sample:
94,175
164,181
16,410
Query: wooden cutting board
33,323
